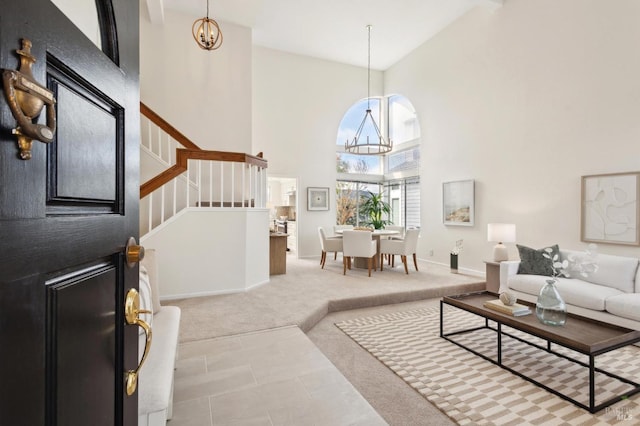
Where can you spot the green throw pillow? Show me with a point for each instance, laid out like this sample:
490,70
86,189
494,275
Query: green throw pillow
532,261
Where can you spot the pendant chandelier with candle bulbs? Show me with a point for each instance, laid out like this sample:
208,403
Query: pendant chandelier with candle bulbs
206,32
364,145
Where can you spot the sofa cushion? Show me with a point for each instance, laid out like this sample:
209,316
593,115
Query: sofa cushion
573,291
533,262
585,295
530,284
613,271
625,305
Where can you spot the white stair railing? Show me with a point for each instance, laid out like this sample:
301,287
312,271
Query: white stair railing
205,184
158,142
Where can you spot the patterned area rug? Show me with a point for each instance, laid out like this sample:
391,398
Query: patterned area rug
473,391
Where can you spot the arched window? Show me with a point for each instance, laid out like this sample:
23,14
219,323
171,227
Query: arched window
395,174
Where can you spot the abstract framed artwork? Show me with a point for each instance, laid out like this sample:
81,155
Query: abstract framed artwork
317,198
458,202
610,210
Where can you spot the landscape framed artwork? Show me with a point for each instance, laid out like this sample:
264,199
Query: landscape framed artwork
610,210
458,202
317,198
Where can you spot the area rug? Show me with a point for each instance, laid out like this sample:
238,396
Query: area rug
473,391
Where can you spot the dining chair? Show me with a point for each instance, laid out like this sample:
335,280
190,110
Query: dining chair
358,244
398,228
341,227
403,248
328,244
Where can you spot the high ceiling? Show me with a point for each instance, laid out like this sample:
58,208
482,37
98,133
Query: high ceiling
332,29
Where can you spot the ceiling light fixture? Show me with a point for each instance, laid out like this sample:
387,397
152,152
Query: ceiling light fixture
363,145
206,32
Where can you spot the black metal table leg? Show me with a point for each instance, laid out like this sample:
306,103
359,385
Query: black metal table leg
592,384
441,321
499,343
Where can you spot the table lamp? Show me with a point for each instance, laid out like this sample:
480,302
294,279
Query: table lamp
501,233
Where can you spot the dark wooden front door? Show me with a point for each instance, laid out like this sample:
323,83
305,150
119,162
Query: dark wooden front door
65,217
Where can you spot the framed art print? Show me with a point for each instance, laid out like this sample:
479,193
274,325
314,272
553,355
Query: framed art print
317,198
610,210
458,202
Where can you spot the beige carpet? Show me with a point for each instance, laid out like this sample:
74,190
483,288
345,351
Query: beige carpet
306,293
473,391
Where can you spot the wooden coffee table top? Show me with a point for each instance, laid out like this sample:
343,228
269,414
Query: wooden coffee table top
579,333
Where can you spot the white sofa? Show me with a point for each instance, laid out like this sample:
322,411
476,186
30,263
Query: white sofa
155,384
611,294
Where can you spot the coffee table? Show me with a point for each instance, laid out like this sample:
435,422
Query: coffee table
580,334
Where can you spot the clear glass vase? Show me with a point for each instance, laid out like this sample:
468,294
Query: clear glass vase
550,308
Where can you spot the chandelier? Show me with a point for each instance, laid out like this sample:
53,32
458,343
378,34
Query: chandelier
206,32
360,144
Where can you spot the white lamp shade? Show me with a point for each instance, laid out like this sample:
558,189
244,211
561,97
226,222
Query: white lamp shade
501,232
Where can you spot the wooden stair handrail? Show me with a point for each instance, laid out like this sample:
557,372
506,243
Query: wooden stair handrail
182,157
190,151
168,128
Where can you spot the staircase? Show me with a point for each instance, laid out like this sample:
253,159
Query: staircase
186,176
203,211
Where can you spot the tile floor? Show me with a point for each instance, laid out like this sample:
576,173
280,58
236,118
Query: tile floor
271,377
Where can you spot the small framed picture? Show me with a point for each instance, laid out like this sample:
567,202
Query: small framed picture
610,208
458,202
317,198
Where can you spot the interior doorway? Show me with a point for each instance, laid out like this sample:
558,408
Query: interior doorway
282,201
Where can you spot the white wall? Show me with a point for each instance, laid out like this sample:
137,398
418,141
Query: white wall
204,94
211,251
524,100
298,103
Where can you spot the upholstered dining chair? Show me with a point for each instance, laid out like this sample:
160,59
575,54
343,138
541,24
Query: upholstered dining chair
341,227
398,228
403,248
358,244
328,244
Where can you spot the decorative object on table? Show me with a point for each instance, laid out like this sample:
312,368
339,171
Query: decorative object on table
453,257
501,233
373,207
508,298
362,143
206,32
550,308
515,309
610,208
458,202
317,198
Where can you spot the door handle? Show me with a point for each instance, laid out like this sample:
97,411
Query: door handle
132,313
133,252
26,98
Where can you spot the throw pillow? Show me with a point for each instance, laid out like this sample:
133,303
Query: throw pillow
146,303
533,262
149,262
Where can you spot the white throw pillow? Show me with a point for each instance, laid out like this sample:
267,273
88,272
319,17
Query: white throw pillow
146,299
151,266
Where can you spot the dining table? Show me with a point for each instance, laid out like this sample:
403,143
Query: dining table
361,262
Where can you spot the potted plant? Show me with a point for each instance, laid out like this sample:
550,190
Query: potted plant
373,207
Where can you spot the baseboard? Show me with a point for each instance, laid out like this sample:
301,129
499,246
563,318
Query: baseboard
466,271
211,293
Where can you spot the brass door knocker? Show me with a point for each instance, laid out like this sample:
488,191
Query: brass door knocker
26,98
